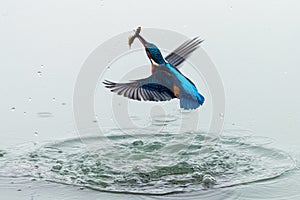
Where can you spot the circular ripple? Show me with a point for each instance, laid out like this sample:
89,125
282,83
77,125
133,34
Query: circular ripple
151,164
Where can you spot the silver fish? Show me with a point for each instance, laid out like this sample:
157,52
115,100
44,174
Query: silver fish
136,34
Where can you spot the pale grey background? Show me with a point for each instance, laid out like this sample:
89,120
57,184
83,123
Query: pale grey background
254,45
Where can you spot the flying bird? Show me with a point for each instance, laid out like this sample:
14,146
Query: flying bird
166,81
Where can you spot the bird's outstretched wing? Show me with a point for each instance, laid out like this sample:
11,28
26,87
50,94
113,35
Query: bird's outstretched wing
143,89
181,53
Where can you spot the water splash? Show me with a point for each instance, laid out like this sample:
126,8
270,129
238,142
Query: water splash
39,73
221,115
143,164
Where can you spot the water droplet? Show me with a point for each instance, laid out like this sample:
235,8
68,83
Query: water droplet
24,113
29,99
63,104
42,66
39,73
44,114
221,115
53,99
36,133
285,73
96,119
13,109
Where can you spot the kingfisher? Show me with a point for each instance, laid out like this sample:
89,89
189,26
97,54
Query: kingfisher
166,81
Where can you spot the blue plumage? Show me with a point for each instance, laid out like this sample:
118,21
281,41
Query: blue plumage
166,81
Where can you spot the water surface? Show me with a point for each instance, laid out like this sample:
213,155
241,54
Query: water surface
150,164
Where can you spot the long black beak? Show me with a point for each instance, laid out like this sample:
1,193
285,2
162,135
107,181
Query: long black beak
142,40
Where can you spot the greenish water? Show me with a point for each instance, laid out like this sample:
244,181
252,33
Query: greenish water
156,164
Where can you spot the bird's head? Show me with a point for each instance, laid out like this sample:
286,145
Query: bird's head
152,51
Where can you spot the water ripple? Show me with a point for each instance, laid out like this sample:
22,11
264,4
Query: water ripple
152,164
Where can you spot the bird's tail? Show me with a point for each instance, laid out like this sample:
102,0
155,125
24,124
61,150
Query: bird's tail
189,102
